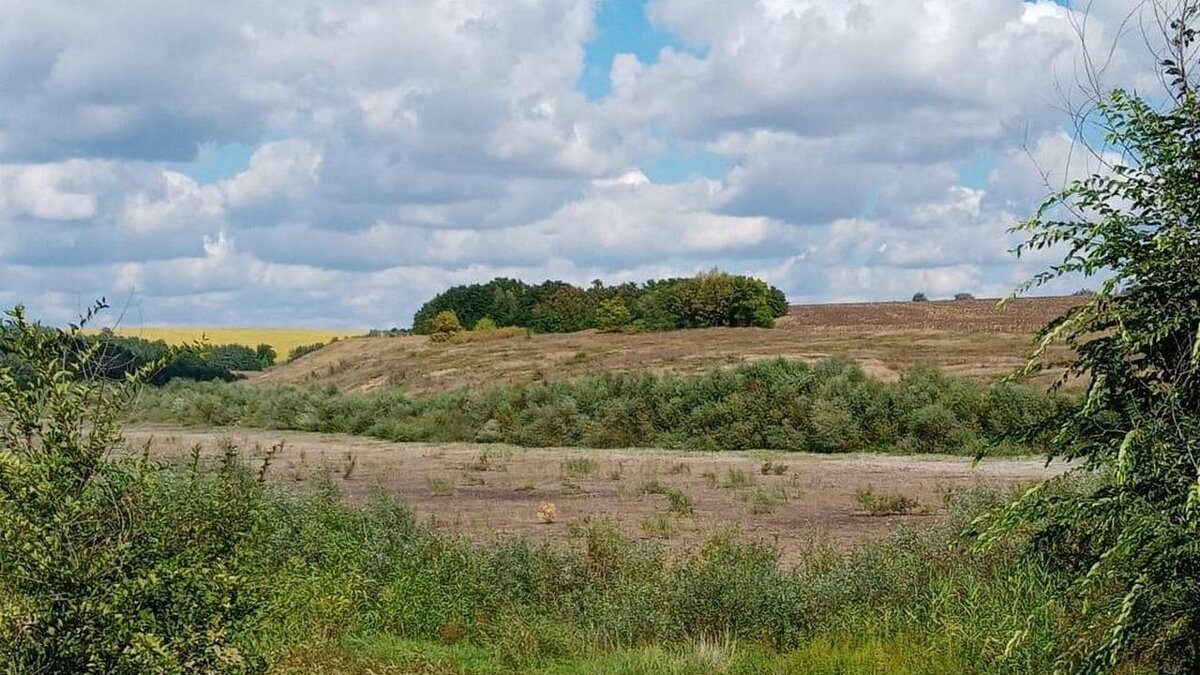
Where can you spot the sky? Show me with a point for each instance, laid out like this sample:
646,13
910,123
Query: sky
334,163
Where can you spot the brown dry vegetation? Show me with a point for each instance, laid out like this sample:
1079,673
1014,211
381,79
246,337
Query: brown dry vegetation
971,338
487,491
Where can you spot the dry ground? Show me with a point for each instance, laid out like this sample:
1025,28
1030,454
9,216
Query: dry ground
487,491
971,338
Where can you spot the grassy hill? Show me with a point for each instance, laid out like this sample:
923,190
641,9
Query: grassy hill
971,338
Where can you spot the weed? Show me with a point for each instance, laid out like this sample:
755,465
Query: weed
766,500
710,478
578,466
350,461
660,526
440,487
680,502
736,479
653,486
571,489
770,468
527,486
877,504
614,474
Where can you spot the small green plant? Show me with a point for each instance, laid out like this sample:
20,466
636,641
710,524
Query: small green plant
877,504
440,486
679,502
653,486
766,500
736,479
578,467
660,526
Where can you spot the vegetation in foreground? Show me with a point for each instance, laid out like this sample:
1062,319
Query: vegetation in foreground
782,405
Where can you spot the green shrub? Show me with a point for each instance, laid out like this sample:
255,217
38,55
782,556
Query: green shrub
110,566
779,405
680,502
301,350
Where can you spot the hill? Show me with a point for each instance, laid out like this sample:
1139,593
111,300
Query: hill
972,338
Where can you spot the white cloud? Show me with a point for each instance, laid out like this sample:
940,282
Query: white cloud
422,143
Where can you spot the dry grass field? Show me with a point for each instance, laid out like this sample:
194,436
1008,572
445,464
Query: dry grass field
282,339
483,492
972,338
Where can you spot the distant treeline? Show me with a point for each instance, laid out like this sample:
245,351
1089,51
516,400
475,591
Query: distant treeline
116,356
706,300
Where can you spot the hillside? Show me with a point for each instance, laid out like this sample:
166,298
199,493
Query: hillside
967,337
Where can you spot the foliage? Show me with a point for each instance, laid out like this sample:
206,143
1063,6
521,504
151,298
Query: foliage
106,566
782,405
443,325
963,296
1132,534
266,355
920,297
612,315
301,350
712,298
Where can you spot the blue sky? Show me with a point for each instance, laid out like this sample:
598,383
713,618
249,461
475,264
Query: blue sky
337,162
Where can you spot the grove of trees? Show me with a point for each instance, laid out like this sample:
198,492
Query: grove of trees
709,299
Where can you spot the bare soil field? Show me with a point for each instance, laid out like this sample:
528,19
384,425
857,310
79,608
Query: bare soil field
484,492
971,338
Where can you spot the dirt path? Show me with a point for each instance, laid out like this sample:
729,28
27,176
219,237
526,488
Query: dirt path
489,491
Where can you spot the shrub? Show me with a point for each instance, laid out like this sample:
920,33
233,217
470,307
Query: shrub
612,316
919,297
443,325
484,325
301,350
115,567
680,502
963,296
265,354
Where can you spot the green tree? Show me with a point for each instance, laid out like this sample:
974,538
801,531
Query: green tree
443,325
266,355
1130,530
920,297
612,316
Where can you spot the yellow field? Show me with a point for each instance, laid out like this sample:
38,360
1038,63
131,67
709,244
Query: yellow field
282,339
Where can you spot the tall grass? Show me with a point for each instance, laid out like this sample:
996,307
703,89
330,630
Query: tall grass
367,588
783,405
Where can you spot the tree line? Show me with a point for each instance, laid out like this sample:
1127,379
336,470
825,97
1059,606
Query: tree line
709,299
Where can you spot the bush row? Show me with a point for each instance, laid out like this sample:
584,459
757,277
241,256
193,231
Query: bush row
828,407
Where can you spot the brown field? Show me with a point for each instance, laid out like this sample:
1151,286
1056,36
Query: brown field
486,491
971,338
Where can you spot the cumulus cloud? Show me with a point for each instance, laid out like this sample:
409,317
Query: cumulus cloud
405,145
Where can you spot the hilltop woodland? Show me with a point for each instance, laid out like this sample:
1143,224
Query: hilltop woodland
710,299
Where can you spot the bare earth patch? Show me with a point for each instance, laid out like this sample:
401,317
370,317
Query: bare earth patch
484,492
